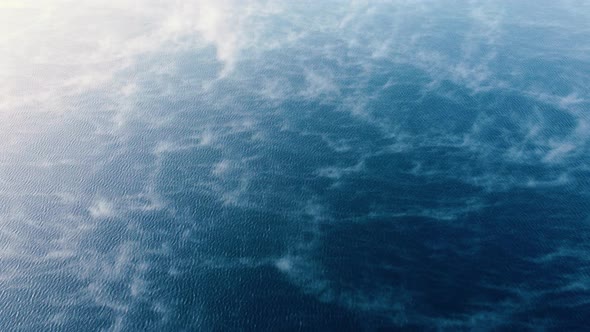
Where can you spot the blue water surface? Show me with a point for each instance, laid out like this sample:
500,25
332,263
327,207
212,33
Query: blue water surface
372,166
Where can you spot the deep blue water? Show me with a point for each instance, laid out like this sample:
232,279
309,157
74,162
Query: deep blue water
404,165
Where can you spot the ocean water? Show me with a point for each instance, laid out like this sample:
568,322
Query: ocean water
333,166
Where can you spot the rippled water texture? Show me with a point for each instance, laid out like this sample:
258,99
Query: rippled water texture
295,166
